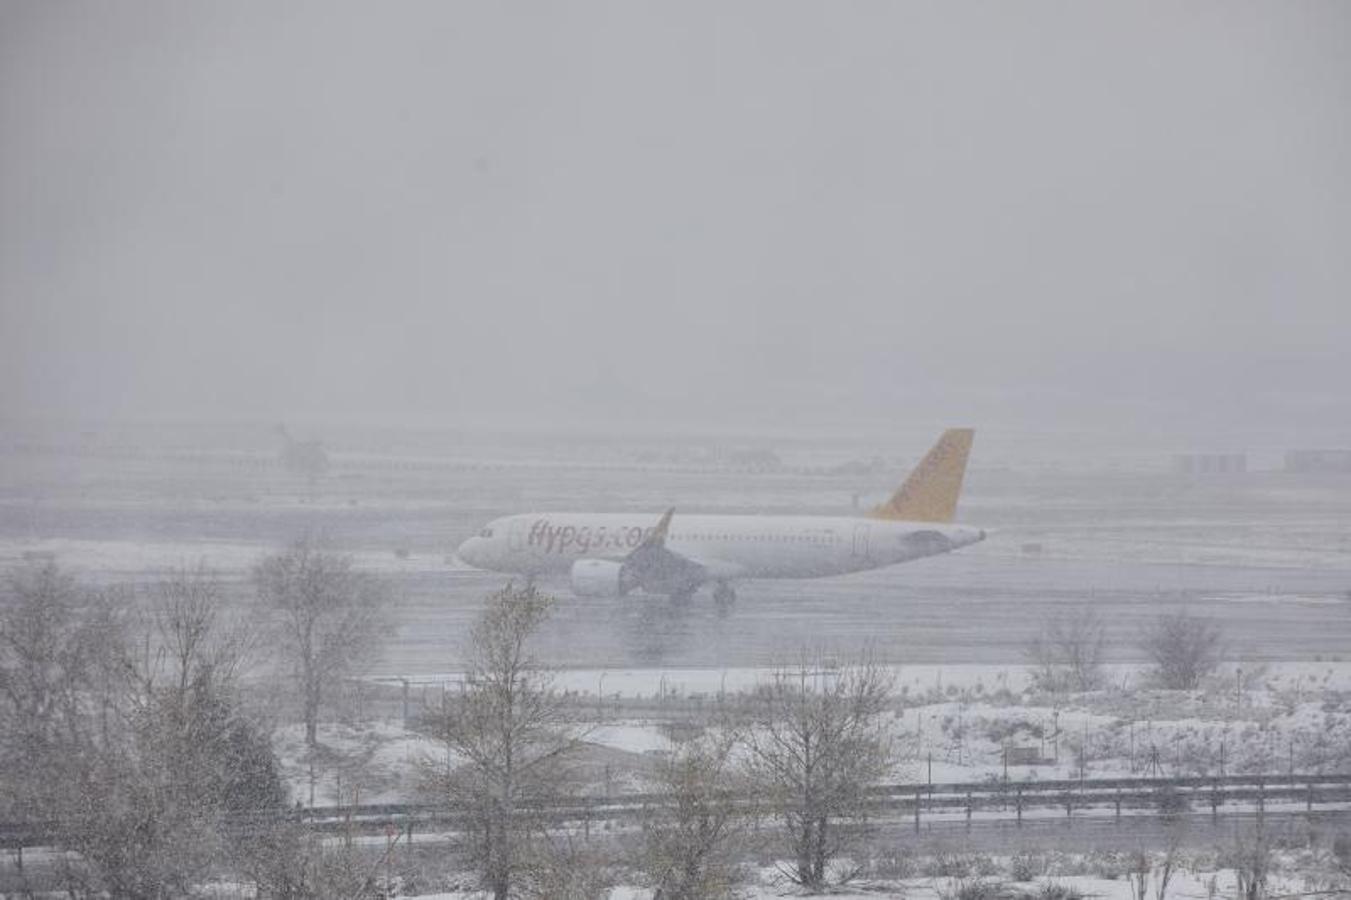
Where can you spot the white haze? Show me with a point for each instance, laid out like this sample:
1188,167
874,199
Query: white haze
688,212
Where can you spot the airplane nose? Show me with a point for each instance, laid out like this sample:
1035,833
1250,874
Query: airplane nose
468,552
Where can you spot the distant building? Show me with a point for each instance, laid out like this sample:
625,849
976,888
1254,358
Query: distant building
302,457
860,467
1026,756
758,460
1210,463
1318,461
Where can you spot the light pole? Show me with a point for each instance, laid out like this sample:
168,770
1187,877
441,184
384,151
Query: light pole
961,734
1132,746
1083,749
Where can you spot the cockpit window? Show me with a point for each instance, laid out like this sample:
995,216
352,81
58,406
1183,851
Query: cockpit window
486,533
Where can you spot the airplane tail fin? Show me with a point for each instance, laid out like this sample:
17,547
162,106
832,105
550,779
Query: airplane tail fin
930,493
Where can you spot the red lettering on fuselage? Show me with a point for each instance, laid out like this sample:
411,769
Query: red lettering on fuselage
583,539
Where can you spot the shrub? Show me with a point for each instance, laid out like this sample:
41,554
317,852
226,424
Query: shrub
1183,649
1025,866
1054,890
1067,654
1106,865
892,866
976,889
948,865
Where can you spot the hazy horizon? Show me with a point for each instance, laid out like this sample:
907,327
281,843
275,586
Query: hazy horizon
754,215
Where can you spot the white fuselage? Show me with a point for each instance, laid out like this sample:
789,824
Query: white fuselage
728,547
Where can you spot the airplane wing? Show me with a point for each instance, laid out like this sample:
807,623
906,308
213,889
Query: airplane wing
659,570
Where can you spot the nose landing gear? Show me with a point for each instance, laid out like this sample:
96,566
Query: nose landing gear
724,594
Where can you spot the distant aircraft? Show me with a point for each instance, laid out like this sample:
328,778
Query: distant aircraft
612,554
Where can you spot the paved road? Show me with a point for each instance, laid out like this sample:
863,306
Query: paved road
962,608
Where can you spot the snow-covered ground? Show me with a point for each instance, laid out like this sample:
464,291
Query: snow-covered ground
1184,884
1073,523
910,680
372,762
1085,519
126,558
949,724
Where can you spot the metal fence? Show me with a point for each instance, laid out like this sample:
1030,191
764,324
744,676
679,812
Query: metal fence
1073,800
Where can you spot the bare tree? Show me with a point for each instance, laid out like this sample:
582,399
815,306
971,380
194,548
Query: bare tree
511,731
817,743
50,652
145,757
690,844
197,764
1148,871
1067,654
1183,649
1341,856
289,861
1251,860
562,868
333,619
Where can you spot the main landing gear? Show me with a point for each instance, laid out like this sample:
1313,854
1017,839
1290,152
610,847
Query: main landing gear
724,595
683,596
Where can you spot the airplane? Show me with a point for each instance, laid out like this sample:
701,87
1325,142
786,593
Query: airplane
614,554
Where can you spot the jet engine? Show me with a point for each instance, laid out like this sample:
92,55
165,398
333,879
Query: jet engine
599,578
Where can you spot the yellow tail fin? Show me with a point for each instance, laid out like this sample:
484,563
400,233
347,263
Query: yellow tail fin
930,493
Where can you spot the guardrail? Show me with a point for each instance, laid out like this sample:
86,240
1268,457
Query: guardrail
1097,797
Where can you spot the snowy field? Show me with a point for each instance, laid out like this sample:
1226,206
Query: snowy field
1075,519
1188,885
949,724
1266,554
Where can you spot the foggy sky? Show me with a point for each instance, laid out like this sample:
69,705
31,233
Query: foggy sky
684,211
